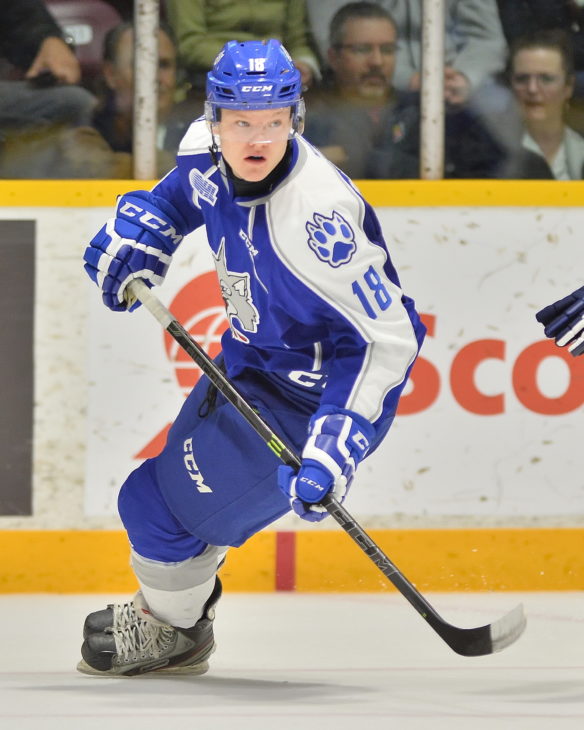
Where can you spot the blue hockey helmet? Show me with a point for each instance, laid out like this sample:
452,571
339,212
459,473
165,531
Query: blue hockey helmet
254,75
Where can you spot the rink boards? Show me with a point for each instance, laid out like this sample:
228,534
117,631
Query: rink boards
479,484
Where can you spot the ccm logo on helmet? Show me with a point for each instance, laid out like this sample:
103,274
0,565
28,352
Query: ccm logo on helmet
269,87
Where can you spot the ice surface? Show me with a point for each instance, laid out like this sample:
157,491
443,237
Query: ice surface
306,661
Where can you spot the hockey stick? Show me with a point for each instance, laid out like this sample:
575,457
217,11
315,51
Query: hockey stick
468,642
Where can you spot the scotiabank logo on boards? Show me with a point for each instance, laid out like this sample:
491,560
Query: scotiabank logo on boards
427,380
200,309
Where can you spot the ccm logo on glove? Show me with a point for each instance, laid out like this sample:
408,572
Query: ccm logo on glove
130,210
137,244
360,441
338,439
311,483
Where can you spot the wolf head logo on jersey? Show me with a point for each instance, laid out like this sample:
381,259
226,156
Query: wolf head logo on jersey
332,239
235,291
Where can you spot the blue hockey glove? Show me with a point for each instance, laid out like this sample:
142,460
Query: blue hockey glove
337,441
564,320
137,244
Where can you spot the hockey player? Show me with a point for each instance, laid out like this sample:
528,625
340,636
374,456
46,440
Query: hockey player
564,320
312,299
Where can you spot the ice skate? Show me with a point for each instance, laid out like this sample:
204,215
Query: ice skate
137,643
115,616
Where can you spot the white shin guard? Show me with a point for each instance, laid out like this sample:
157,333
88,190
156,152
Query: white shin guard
176,592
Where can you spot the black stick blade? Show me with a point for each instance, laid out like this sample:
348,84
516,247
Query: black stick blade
484,639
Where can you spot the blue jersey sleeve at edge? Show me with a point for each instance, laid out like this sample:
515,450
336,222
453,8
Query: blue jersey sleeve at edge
171,189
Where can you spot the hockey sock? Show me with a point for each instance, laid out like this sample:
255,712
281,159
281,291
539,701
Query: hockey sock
176,592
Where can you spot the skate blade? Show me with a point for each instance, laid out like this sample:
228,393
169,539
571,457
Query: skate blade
192,669
188,669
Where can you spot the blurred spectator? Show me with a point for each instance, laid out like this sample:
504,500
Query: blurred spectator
368,128
202,27
114,116
541,75
86,22
33,43
475,47
104,148
521,17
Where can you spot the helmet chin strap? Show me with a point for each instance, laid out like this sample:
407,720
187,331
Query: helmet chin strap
214,151
224,169
214,148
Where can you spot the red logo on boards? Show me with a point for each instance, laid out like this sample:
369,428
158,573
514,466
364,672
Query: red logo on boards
199,307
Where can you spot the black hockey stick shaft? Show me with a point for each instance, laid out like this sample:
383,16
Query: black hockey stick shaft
468,642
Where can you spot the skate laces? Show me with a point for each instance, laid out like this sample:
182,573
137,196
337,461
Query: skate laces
124,614
142,639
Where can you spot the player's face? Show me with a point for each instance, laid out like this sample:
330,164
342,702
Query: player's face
540,84
365,60
253,142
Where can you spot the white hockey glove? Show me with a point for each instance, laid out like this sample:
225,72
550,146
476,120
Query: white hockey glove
338,440
137,244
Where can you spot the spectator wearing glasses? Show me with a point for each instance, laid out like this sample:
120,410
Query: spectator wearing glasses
364,125
519,17
541,76
474,43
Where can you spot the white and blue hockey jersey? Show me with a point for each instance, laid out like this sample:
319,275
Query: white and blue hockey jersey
309,288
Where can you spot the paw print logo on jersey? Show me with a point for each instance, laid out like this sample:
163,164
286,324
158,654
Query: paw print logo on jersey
332,239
